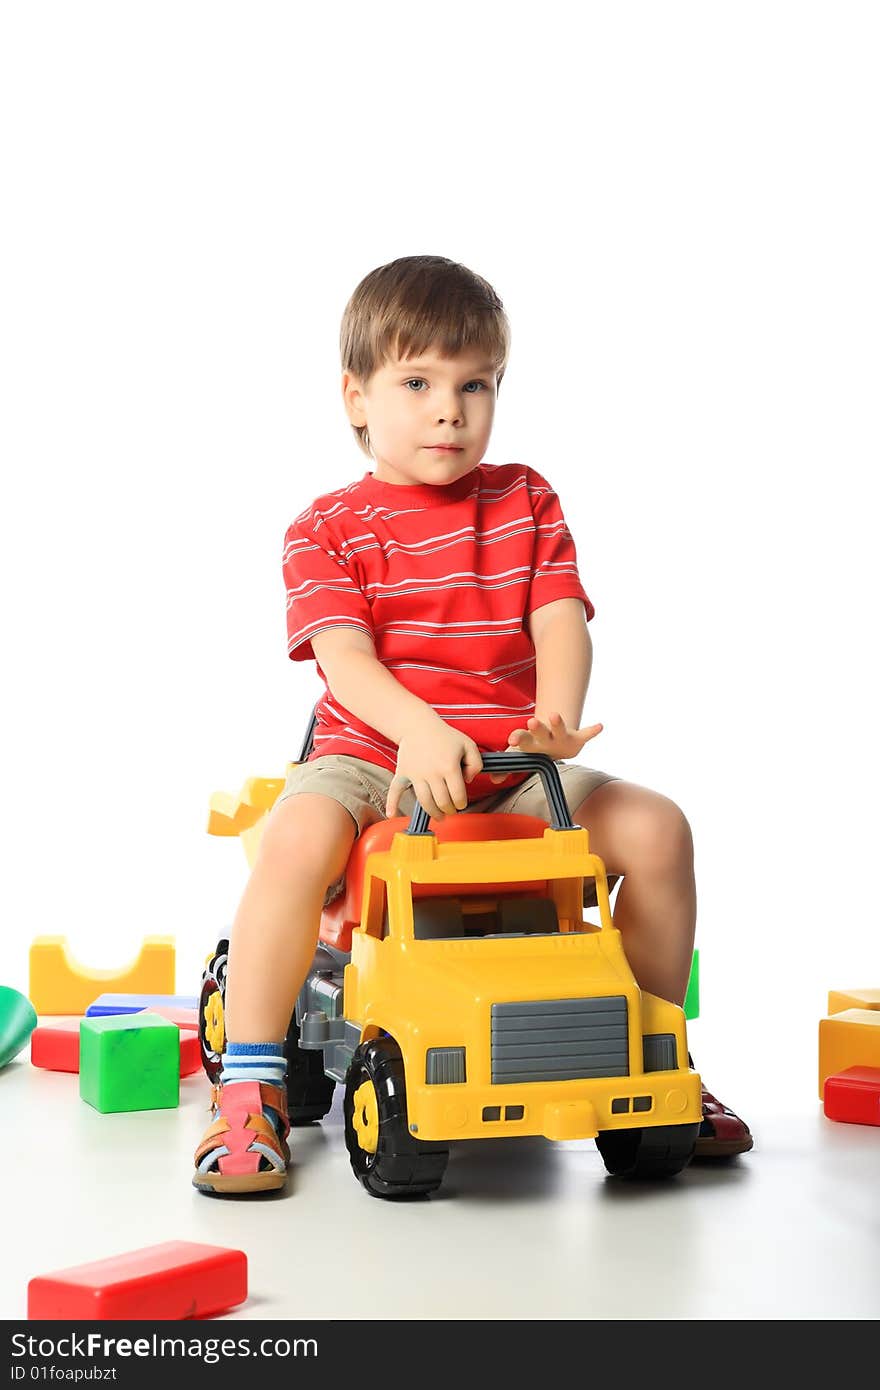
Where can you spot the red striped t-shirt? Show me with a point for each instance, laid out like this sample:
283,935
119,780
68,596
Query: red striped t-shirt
442,579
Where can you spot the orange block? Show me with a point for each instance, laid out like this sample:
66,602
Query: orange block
840,999
848,1039
60,985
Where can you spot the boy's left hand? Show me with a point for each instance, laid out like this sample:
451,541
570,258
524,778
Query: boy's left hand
553,738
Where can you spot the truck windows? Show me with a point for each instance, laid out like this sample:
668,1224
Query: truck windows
449,918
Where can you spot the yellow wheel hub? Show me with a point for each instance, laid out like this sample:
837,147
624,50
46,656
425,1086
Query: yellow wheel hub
366,1117
215,1027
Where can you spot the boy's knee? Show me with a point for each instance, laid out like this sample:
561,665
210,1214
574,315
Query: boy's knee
307,833
665,834
632,827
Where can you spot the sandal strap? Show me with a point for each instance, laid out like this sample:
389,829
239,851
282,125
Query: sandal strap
719,1121
244,1128
273,1096
210,1137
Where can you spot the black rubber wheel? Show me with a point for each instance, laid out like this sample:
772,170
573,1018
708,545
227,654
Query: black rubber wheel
385,1156
309,1090
660,1152
212,1028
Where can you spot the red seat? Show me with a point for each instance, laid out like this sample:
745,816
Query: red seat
344,913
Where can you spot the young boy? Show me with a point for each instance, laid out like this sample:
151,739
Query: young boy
441,600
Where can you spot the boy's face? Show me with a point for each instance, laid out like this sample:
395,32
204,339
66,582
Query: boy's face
412,406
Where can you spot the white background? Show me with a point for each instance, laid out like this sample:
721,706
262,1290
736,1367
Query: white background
678,205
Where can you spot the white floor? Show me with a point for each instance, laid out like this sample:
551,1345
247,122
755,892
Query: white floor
520,1229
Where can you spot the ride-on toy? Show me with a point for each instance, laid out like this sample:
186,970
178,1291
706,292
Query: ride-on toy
457,992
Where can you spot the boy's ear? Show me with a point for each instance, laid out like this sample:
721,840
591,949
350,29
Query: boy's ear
352,393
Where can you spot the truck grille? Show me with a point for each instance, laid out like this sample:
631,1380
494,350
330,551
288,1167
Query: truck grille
559,1039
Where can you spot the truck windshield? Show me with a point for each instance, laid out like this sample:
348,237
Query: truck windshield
442,918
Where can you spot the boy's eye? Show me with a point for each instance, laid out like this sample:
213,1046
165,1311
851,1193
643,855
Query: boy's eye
417,380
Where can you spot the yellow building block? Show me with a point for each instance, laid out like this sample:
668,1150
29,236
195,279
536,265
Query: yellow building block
59,985
840,999
243,813
848,1039
231,814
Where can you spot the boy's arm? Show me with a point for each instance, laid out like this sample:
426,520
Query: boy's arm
433,756
563,662
563,659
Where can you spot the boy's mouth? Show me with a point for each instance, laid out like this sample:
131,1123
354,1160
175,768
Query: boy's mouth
446,448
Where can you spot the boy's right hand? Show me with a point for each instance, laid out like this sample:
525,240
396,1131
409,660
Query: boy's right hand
436,761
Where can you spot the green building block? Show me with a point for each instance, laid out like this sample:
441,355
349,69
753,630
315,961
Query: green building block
129,1062
692,998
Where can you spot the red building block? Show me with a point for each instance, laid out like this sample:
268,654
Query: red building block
853,1096
55,1047
179,1279
190,1053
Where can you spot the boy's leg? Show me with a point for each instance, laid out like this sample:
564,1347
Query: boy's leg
304,847
645,837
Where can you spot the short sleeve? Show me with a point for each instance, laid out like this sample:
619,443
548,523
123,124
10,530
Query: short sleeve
321,592
554,564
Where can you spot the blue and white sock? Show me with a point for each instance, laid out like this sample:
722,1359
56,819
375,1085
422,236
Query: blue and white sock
259,1061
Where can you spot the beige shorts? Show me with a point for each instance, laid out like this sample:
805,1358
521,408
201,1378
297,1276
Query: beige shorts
362,788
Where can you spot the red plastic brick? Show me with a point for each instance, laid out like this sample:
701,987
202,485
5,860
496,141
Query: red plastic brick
179,1279
190,1053
853,1096
56,1047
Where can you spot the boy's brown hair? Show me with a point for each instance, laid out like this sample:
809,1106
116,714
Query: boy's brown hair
414,304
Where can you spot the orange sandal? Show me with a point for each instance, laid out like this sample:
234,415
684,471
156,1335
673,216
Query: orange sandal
241,1150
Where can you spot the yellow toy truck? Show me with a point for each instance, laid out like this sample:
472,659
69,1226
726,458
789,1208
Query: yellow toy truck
459,993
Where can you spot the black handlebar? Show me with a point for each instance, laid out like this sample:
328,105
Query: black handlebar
560,816
309,740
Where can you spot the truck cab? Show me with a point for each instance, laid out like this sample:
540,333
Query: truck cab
459,992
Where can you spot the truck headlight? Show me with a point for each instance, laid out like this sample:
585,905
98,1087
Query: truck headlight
445,1066
659,1052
